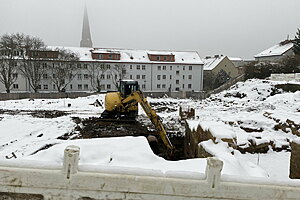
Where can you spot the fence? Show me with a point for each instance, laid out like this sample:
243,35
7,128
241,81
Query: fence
80,183
28,95
53,95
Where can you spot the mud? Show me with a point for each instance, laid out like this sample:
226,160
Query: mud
97,128
36,113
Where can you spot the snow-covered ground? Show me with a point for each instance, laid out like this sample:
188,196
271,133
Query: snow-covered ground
23,135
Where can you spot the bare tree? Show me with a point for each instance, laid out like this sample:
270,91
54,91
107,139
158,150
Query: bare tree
64,69
32,68
10,53
118,72
96,73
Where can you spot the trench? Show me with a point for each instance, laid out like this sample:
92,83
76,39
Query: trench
94,127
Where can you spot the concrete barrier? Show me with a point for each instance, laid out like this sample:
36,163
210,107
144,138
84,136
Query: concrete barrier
72,183
285,77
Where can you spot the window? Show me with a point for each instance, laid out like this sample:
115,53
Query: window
130,67
45,76
157,57
164,67
16,64
39,87
79,76
165,57
171,67
190,76
143,67
44,65
78,65
189,86
71,86
86,86
158,86
182,76
116,76
170,77
107,76
143,86
182,85
190,67
85,66
164,76
102,76
137,76
177,81
143,76
130,76
108,66
102,86
85,76
123,71
79,87
138,67
16,86
158,67
45,87
15,75
177,72
183,67
158,77
177,89
53,87
163,86
108,86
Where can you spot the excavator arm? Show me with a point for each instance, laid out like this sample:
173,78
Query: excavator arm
155,119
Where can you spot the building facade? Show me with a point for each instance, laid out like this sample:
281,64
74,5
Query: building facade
157,71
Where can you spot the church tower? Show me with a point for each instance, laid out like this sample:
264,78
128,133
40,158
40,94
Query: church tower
86,39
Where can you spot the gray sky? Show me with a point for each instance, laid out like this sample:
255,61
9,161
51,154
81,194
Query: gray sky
237,28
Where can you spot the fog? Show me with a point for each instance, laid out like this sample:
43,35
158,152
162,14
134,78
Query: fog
237,28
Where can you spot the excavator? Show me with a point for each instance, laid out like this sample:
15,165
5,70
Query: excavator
123,105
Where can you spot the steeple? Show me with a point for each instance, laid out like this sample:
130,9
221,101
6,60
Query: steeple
86,39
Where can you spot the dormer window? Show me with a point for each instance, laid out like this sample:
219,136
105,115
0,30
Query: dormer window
162,57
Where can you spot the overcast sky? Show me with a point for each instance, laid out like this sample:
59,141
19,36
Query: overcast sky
237,28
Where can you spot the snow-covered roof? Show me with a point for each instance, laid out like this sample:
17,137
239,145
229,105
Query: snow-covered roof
136,56
211,62
276,50
235,59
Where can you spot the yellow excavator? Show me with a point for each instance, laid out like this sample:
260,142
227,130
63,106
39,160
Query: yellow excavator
124,105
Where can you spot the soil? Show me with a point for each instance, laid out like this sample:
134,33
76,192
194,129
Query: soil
94,127
36,113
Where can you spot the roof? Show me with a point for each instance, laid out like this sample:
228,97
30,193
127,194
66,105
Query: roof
135,56
235,59
277,50
211,62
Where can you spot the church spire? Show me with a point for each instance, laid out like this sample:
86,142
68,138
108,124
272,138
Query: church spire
86,39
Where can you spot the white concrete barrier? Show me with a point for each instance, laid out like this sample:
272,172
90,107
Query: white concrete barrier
71,183
285,77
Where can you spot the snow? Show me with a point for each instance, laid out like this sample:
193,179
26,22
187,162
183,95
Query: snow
23,134
211,62
276,50
135,56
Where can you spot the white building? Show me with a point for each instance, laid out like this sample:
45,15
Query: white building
158,71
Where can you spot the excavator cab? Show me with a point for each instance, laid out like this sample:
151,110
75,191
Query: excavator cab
127,87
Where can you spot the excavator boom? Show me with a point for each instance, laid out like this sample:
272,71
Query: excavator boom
155,119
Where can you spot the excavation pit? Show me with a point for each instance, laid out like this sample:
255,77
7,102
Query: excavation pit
94,127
